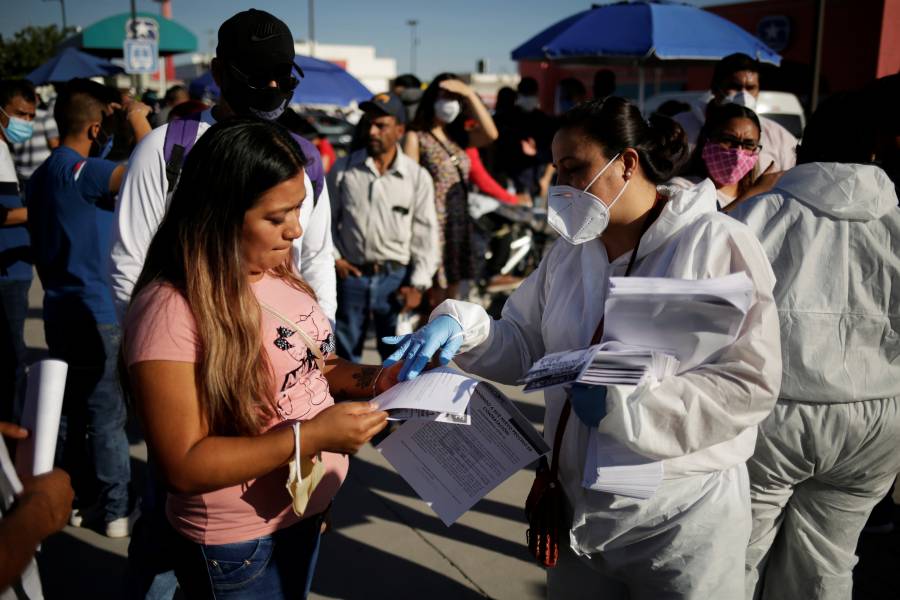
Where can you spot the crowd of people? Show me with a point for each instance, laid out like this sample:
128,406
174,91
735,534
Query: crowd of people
215,268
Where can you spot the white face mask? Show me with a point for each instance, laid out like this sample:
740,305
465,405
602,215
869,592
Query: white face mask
527,103
745,99
577,215
446,110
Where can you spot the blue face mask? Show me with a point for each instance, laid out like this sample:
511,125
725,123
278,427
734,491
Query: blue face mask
18,130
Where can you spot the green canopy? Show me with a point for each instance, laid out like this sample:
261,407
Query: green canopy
105,37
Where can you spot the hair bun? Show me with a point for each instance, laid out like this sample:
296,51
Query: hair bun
667,149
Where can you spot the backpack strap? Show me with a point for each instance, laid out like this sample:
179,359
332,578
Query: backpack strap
180,137
314,168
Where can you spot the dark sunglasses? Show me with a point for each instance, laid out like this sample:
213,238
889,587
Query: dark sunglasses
285,83
734,143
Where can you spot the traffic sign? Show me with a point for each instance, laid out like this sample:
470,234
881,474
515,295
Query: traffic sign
141,56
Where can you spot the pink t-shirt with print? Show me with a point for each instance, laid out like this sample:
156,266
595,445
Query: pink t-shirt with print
160,326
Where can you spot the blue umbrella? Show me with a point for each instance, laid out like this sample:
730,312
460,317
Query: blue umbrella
69,64
327,83
642,32
322,83
204,87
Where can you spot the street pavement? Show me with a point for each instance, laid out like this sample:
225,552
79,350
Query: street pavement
386,542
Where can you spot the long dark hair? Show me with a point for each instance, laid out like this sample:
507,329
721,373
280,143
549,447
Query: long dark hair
424,119
717,116
197,250
617,124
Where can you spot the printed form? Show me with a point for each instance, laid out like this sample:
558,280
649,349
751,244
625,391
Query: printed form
452,467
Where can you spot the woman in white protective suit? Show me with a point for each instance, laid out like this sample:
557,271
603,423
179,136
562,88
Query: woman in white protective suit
689,539
829,451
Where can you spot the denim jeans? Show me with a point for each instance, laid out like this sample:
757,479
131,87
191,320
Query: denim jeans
280,565
362,298
13,311
92,444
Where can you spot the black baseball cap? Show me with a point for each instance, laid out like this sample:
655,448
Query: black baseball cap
254,38
386,103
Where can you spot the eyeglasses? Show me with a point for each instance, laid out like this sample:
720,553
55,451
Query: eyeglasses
285,83
729,141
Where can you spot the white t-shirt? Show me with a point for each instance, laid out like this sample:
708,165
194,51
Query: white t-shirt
7,166
143,201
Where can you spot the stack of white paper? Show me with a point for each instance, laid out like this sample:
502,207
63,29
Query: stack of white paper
691,319
611,467
602,364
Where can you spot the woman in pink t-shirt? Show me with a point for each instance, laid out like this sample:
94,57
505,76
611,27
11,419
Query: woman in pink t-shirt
226,349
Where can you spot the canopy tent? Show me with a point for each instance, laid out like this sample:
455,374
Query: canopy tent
323,83
69,64
641,33
105,37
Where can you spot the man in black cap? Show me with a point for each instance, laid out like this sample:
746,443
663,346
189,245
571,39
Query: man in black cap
254,68
384,225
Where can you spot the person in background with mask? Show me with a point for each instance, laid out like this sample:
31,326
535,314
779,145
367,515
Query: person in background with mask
736,77
688,540
438,138
828,452
31,153
71,199
727,153
253,68
408,88
17,110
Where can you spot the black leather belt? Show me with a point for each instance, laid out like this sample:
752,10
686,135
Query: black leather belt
377,268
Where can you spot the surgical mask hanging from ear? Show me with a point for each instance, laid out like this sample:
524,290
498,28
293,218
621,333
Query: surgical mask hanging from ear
577,215
18,130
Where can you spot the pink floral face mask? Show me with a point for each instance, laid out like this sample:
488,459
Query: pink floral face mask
727,165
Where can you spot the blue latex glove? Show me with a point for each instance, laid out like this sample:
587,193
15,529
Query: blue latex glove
589,403
444,333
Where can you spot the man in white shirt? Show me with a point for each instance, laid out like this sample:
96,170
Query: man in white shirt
385,231
736,77
254,74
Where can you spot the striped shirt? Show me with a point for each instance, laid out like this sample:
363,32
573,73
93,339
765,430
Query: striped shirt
30,154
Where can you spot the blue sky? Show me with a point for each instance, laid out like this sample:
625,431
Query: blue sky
453,34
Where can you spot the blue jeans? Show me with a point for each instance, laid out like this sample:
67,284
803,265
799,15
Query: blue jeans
92,444
280,565
13,311
362,298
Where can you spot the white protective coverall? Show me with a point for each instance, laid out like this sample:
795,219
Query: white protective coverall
829,451
689,539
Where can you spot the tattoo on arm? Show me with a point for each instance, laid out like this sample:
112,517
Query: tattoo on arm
365,378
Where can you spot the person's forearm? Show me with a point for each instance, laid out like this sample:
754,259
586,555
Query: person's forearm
218,462
15,216
20,534
483,117
350,380
141,127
